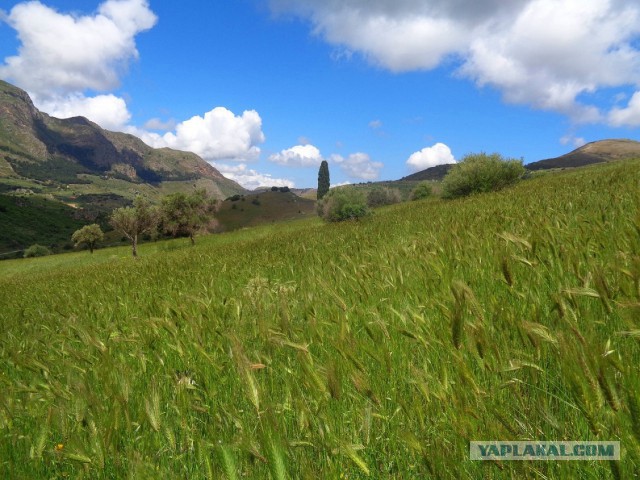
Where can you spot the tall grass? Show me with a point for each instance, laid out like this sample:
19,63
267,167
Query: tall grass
372,349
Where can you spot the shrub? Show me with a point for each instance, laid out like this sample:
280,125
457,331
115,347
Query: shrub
343,204
380,196
36,251
422,190
481,173
274,189
284,189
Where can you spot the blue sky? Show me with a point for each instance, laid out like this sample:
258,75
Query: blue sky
266,89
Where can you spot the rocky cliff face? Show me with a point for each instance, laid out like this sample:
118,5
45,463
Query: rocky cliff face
35,145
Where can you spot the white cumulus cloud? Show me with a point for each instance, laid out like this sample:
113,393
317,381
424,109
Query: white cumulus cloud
218,135
437,154
358,165
628,116
250,178
63,53
108,111
298,156
548,54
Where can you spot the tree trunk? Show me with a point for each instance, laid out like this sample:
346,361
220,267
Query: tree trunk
193,240
91,248
134,246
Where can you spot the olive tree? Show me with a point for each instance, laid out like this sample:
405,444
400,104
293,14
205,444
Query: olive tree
89,235
184,214
135,221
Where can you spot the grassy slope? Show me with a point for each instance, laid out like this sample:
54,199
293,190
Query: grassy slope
380,347
28,220
266,207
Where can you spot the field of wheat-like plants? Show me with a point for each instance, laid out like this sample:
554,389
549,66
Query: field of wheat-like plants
373,349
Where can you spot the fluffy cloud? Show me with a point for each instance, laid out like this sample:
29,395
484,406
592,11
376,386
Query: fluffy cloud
108,111
358,165
298,156
627,116
62,53
250,178
428,157
543,53
218,135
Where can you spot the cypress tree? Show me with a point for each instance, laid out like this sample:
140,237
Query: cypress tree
323,179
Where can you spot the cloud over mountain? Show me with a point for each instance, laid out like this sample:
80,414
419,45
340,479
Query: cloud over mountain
428,157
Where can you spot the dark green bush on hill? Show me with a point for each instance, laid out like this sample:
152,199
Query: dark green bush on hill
381,196
343,204
481,172
422,190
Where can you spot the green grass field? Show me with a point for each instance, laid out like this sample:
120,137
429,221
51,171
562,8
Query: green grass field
371,349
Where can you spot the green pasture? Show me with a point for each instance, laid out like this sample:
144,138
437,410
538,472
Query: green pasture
370,349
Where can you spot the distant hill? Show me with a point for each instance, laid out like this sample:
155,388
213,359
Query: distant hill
52,154
594,152
432,173
262,207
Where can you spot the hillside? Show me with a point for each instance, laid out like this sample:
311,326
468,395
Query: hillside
591,153
432,173
262,207
595,152
50,154
371,349
78,172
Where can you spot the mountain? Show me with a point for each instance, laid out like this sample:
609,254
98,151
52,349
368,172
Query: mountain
432,173
594,152
49,154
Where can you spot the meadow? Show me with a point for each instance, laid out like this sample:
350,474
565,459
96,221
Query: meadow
369,349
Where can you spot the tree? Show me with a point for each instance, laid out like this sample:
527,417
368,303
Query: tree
135,221
323,180
381,196
422,190
481,172
184,214
346,203
89,234
36,251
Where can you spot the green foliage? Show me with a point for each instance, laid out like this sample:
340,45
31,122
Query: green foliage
323,180
37,251
89,235
422,190
184,214
381,196
345,203
25,220
55,169
307,350
480,172
135,221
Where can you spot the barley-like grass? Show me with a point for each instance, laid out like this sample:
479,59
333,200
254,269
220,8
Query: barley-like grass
372,349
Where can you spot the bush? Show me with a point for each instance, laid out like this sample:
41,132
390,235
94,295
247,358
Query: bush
381,196
284,189
343,204
422,190
36,251
481,173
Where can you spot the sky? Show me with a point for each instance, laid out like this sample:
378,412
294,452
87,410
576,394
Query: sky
265,90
